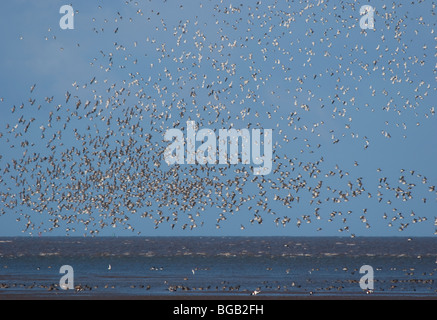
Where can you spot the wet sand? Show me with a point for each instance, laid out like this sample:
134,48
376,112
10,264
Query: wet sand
214,297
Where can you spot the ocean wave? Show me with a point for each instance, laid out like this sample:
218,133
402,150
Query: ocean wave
227,254
147,254
328,254
48,254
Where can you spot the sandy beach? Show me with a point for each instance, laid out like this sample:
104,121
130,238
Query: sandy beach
214,297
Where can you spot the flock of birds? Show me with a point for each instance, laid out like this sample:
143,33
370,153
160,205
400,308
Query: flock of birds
269,287
92,156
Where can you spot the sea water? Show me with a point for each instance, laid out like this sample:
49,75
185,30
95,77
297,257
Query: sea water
216,266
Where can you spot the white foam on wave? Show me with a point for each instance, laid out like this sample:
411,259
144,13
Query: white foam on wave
227,254
48,254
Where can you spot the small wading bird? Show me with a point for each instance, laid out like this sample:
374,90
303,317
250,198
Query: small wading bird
255,292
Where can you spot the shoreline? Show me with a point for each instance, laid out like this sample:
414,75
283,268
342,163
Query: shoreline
164,298
215,297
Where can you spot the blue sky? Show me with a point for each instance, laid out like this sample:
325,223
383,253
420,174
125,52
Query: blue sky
309,61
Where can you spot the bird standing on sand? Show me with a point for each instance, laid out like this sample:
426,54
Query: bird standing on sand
255,292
